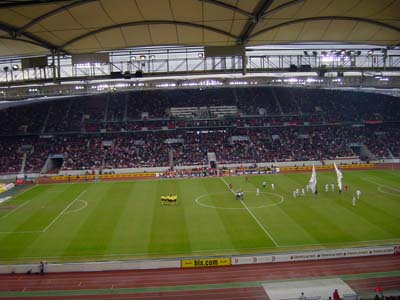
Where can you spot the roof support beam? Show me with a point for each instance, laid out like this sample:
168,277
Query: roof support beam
52,13
261,8
228,6
152,22
282,6
12,31
12,4
22,40
328,18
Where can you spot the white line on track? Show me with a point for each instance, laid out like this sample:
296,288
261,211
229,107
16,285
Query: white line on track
14,210
254,217
63,211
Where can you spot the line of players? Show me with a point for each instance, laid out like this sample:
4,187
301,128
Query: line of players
296,192
169,199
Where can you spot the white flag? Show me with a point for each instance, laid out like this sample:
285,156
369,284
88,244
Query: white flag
313,180
339,176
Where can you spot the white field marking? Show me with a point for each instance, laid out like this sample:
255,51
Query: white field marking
341,243
380,184
27,231
384,192
200,251
79,208
18,194
197,200
14,210
28,189
254,217
5,199
136,254
63,211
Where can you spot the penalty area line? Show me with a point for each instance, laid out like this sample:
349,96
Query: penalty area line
14,210
254,217
63,211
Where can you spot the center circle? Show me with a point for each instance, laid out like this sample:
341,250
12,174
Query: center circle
249,196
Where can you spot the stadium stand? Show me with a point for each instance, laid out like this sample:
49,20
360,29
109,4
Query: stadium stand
240,125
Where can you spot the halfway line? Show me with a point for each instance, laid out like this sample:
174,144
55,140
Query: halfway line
254,217
63,211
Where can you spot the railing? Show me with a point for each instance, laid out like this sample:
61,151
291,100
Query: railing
85,87
125,64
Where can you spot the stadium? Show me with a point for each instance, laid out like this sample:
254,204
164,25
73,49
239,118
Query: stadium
200,149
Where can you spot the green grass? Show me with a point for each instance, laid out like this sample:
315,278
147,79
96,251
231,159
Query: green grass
125,220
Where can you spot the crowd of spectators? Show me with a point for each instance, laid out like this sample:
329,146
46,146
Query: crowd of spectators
272,124
190,146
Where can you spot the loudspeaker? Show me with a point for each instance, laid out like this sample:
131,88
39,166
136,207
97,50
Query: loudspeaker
293,68
127,75
139,73
115,75
305,68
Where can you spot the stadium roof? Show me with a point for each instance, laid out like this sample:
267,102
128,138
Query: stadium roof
35,27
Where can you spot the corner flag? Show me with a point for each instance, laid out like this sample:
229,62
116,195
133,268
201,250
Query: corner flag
339,176
313,180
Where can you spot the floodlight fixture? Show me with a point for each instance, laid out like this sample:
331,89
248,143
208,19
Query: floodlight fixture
6,69
142,57
200,54
15,67
314,53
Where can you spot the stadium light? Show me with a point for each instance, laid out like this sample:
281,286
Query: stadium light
200,55
6,69
15,67
133,58
314,53
142,57
370,52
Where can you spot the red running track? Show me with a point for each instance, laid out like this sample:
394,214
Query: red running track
205,276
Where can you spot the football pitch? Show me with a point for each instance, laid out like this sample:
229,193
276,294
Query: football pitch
98,221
